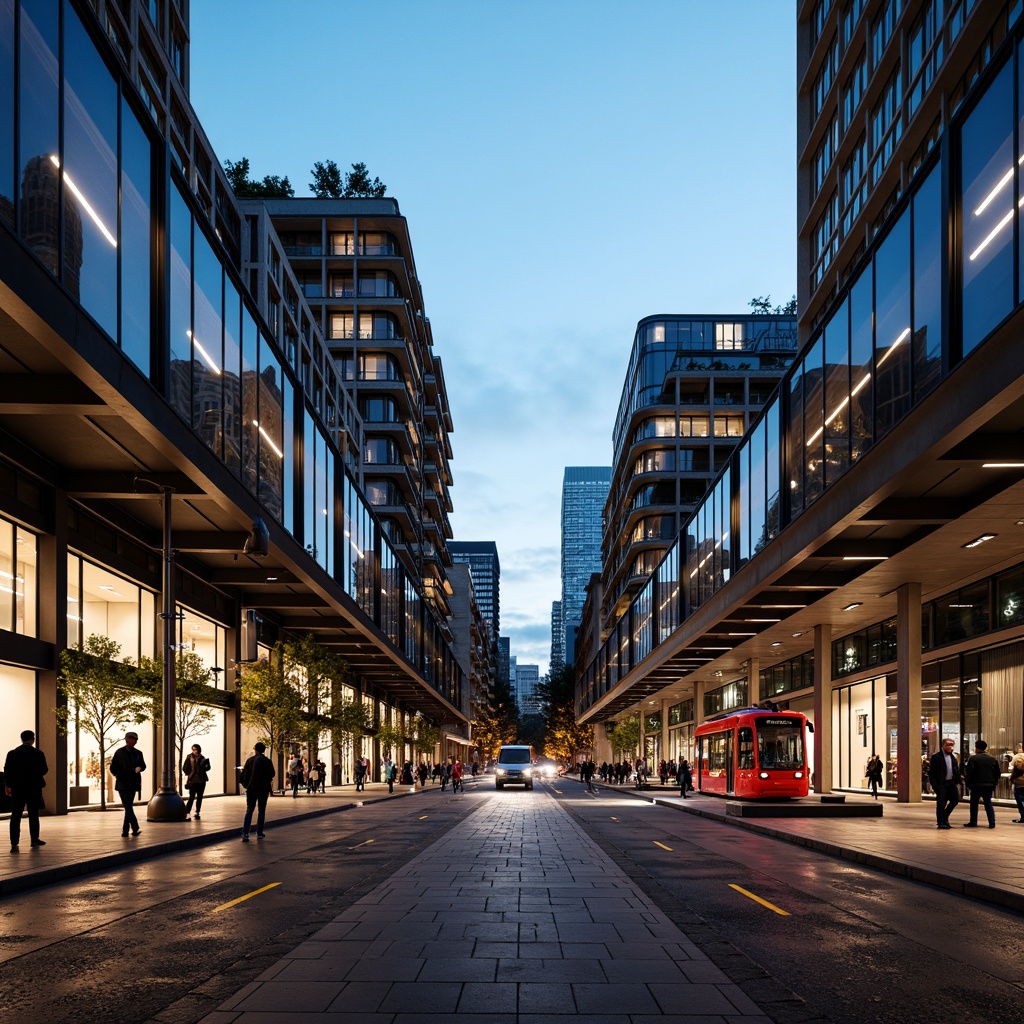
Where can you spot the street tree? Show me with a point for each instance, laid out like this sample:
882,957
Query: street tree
351,720
101,695
269,703
564,738
625,737
359,186
192,692
318,674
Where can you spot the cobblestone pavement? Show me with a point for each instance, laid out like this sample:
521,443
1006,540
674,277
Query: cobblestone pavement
514,917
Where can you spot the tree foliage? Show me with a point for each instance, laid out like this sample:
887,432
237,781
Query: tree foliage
427,738
498,722
390,737
244,187
327,181
350,720
318,674
268,701
359,186
762,304
102,694
625,737
564,738
192,689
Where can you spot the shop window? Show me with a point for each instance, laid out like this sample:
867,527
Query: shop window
18,579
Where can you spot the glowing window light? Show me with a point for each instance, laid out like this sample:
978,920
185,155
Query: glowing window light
85,203
266,437
202,351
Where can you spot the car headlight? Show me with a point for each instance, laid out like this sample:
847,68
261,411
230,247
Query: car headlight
527,771
499,771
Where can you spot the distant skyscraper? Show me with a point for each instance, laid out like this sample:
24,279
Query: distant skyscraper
527,678
482,558
503,660
584,492
557,637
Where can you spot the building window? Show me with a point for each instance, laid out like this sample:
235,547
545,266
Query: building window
854,88
825,240
925,53
729,426
18,580
342,326
825,77
886,125
882,29
854,183
825,154
729,336
381,451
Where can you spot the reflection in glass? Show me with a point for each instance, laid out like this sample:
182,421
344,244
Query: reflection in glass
986,169
207,343
861,346
7,112
180,256
38,98
928,250
136,240
892,327
814,426
837,396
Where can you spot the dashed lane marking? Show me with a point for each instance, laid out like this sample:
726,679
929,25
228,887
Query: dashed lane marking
757,899
662,845
247,896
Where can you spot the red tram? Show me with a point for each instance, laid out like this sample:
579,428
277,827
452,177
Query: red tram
753,753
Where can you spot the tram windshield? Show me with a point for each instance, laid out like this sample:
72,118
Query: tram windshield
780,744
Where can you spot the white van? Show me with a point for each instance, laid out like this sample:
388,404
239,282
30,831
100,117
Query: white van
514,767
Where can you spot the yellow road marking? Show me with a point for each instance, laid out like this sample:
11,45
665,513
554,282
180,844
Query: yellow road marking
613,817
662,845
356,847
423,817
757,899
247,896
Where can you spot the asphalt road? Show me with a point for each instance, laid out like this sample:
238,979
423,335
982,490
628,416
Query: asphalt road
163,940
859,946
808,936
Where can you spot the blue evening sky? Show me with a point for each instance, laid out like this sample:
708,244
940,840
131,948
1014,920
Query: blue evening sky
566,167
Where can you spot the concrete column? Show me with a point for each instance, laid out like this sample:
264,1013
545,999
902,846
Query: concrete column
908,693
823,707
753,681
52,627
665,702
699,689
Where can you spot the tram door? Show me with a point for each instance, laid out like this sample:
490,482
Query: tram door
730,765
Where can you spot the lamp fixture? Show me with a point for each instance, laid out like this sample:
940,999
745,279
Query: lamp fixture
978,541
798,634
776,643
852,605
1002,465
865,558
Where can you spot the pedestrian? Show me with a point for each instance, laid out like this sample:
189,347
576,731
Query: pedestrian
944,776
127,766
258,780
23,783
982,774
873,773
436,773
195,768
295,774
1017,782
423,773
587,774
313,778
457,776
407,779
390,774
360,771
685,777
321,767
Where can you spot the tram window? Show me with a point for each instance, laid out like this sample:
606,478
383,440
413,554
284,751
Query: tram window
718,752
780,746
746,748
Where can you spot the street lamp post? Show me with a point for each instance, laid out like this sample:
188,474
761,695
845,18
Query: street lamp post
166,804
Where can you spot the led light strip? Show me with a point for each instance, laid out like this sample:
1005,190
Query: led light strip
85,203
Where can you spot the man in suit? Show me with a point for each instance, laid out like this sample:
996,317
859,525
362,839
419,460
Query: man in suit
944,775
982,773
258,780
23,783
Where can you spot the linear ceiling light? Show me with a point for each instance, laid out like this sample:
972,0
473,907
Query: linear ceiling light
978,541
1002,465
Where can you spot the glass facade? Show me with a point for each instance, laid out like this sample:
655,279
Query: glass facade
885,345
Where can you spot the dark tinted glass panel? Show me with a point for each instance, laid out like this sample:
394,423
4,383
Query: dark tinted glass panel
207,343
795,442
180,256
743,493
758,525
837,396
136,240
861,390
7,111
814,415
270,429
773,471
90,176
986,169
1010,598
232,377
892,327
250,402
309,439
38,127
928,250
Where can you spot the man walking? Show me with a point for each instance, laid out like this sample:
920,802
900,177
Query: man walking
981,773
944,775
23,783
258,780
126,766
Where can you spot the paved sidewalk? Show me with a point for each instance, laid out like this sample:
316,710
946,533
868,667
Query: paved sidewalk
90,840
514,917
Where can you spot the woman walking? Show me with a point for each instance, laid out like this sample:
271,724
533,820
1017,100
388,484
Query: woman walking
195,768
873,773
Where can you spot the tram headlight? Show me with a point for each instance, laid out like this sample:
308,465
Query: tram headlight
798,775
762,775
